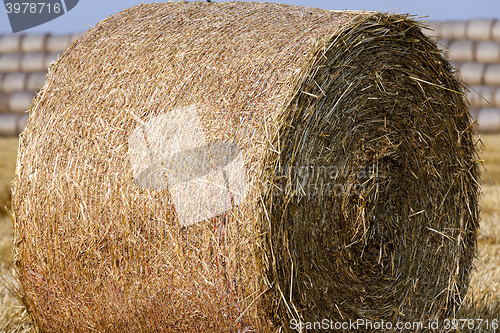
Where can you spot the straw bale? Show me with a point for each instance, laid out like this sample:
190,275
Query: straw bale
480,29
33,62
488,52
35,81
58,43
33,43
492,75
10,62
480,96
232,167
462,50
10,43
8,125
472,73
495,31
13,82
488,120
20,101
454,30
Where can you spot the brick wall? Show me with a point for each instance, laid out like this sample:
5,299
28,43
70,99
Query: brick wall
471,46
24,60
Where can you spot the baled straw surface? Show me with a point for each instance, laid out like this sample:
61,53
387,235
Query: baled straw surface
399,236
365,96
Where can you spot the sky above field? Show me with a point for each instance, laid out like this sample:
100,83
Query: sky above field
88,13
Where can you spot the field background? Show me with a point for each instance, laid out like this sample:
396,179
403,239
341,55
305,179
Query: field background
482,301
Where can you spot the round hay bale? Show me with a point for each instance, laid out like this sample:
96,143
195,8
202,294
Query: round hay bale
462,50
480,29
33,43
225,167
10,63
13,82
11,43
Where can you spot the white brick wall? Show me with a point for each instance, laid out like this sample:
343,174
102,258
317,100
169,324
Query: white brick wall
24,60
473,47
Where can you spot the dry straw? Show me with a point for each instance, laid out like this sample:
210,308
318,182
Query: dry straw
358,196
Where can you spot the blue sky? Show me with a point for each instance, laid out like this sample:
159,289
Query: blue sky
88,12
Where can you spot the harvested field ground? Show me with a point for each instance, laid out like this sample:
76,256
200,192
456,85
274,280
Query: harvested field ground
13,316
482,302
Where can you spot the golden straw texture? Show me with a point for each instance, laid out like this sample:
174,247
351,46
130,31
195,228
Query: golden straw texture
349,189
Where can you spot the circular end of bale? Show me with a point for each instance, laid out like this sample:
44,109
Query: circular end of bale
371,202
